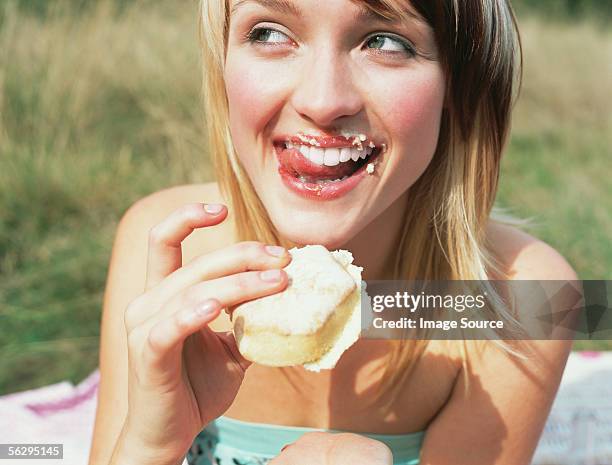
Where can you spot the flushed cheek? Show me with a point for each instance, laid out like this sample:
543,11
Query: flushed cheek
253,102
412,118
251,90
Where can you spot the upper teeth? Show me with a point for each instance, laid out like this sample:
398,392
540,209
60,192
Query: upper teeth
331,156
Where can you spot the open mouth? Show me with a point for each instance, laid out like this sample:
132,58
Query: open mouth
324,166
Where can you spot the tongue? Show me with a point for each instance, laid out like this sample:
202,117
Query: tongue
297,164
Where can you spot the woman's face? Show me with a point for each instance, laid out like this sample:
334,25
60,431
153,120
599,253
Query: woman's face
316,74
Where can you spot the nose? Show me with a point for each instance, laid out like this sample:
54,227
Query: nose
326,90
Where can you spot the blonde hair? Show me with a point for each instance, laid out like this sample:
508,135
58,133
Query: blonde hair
443,235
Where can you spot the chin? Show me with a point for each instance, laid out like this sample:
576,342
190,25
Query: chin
332,236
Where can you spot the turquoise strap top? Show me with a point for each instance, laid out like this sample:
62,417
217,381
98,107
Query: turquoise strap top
227,441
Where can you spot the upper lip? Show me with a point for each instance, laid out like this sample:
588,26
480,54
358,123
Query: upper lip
327,141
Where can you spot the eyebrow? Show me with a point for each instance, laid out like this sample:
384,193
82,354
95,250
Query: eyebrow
283,6
289,8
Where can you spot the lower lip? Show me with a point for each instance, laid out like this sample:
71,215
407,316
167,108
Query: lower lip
327,191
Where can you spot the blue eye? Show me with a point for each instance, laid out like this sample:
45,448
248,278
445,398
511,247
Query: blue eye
401,46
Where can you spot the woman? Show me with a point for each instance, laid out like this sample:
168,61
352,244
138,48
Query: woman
428,85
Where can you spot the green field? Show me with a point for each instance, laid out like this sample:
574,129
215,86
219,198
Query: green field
99,108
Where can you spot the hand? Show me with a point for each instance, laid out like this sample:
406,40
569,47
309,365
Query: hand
182,375
334,449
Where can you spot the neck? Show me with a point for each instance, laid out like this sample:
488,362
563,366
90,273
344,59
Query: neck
375,248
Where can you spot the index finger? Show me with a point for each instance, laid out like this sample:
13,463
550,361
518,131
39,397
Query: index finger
165,252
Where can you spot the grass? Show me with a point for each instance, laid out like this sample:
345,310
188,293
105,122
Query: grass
557,165
98,109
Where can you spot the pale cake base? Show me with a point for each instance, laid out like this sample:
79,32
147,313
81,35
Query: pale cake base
271,348
271,335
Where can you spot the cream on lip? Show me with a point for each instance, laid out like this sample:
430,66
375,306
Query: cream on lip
331,150
345,139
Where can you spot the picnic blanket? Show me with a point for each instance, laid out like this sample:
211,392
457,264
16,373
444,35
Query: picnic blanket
578,430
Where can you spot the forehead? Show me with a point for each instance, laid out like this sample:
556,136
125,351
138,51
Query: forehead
389,11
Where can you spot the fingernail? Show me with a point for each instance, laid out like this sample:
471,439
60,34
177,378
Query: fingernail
275,250
213,208
205,308
270,275
285,446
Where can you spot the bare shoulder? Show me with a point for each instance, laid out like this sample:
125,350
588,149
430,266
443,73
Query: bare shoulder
524,256
159,204
494,427
152,209
206,192
126,280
